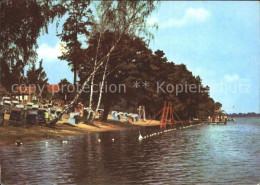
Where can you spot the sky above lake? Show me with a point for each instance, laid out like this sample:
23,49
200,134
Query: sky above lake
217,40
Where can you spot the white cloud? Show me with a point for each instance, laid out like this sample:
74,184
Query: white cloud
48,53
198,15
231,78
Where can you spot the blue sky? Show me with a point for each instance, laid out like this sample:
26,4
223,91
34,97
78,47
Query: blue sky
219,41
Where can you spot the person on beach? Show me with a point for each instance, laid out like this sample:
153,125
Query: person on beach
51,117
100,114
47,116
91,115
2,116
77,117
80,108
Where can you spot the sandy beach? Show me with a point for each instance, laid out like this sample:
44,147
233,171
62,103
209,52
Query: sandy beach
14,131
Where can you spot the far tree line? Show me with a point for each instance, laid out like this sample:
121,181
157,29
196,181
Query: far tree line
249,114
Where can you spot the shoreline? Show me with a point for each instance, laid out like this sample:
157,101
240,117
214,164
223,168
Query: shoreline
14,131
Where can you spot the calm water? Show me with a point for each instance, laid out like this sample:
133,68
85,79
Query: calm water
206,154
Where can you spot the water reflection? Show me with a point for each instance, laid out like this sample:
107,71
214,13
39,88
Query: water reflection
202,154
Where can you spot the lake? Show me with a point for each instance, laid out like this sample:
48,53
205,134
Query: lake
203,154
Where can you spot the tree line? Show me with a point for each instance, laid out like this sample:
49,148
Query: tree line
249,114
116,35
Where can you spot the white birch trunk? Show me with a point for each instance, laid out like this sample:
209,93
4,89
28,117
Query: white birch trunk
101,62
93,77
91,92
100,91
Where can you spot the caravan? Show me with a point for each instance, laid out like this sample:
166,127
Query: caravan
7,106
29,105
17,114
41,115
31,117
15,102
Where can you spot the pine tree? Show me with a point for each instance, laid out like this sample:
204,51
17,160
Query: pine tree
76,25
38,78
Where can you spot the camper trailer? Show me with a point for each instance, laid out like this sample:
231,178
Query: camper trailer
31,117
41,115
29,105
16,114
35,107
6,98
20,106
45,106
15,102
7,106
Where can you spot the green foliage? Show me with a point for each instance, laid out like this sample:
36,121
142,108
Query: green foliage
21,24
218,106
76,25
64,93
37,77
133,61
123,17
114,33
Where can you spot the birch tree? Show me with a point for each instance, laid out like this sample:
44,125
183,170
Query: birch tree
103,25
120,17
